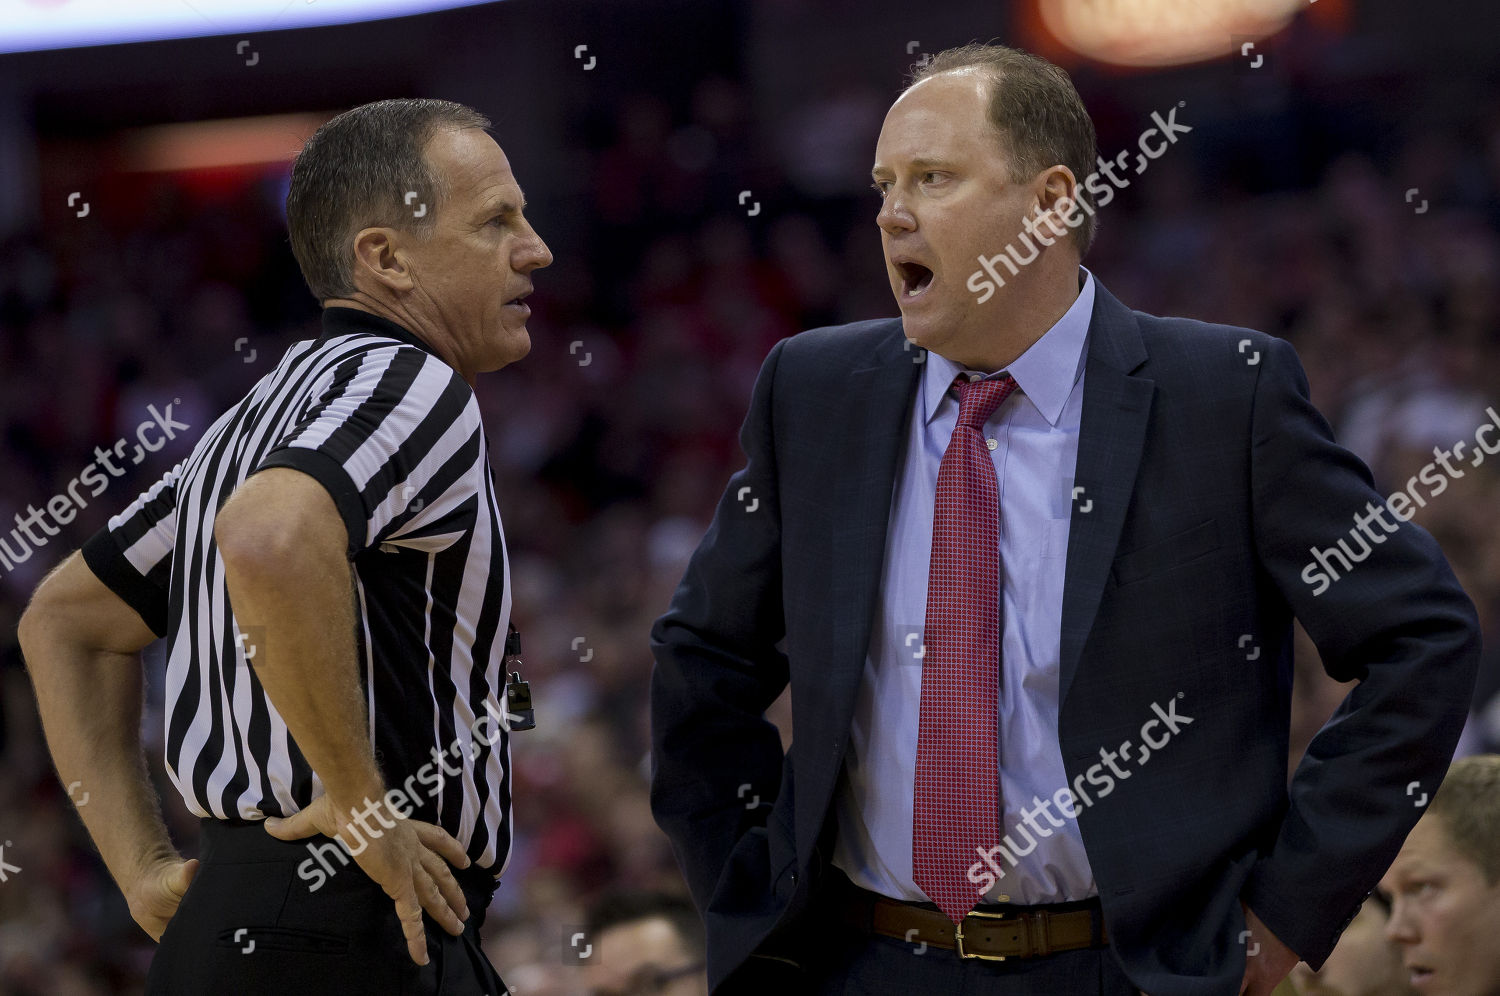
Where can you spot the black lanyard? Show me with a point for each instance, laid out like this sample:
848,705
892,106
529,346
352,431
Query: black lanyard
519,714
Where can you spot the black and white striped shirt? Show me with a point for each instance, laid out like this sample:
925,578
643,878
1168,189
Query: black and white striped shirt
394,435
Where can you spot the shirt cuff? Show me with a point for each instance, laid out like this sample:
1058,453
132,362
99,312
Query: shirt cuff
108,562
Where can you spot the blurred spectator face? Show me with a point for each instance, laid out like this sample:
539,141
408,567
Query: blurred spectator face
1445,915
1364,963
467,277
947,199
645,958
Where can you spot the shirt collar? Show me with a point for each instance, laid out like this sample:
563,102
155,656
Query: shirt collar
1045,373
342,320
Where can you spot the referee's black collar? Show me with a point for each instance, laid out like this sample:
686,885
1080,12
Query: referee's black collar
342,320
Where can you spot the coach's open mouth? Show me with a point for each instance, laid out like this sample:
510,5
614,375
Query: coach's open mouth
519,301
915,277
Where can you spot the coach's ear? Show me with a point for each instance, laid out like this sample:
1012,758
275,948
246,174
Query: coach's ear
1055,190
379,255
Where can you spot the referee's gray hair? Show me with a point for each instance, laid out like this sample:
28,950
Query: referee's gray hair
356,172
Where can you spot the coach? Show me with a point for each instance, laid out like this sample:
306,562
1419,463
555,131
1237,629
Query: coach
329,573
1032,585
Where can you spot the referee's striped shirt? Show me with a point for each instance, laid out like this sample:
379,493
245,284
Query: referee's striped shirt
393,433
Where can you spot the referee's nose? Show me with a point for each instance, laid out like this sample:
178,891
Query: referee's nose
531,253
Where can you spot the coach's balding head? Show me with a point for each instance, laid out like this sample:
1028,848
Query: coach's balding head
408,209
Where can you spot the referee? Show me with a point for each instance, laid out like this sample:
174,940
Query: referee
329,571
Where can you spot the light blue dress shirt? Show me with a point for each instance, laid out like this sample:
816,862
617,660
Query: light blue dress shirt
1033,438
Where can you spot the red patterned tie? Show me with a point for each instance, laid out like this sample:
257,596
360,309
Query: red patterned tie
957,810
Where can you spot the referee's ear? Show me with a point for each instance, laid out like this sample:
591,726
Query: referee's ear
379,256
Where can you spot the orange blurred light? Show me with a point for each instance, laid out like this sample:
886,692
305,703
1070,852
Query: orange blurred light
208,144
1168,32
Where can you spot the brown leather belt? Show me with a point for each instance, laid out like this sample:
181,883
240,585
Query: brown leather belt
992,933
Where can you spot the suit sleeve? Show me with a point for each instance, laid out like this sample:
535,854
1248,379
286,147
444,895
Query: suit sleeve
1397,621
718,669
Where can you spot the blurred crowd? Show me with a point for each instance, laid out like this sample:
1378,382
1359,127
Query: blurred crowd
613,440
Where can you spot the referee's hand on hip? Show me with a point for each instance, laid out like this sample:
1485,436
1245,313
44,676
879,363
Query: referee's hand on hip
409,861
153,895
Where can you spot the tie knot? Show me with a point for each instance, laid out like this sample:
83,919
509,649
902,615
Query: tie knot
978,399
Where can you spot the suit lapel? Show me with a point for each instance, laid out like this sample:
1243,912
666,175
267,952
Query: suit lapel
1111,436
863,475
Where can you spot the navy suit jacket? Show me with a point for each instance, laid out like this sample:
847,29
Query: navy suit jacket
1206,476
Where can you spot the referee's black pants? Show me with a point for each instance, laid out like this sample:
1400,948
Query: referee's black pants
249,924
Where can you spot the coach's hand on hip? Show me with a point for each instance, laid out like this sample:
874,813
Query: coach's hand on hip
409,861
